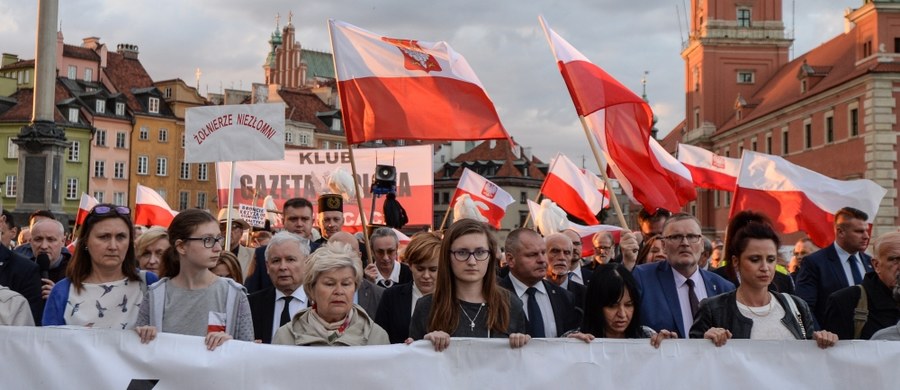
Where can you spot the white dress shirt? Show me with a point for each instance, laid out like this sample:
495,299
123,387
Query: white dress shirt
845,264
299,302
684,301
543,300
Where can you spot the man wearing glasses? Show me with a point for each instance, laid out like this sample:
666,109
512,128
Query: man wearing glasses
671,290
386,271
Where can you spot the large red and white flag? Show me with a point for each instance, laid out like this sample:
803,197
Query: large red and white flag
573,190
151,209
407,89
709,170
490,199
798,199
84,207
621,122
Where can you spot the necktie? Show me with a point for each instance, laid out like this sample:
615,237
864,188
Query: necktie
535,318
692,297
286,312
854,268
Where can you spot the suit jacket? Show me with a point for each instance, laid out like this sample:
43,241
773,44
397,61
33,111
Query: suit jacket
660,308
578,291
821,274
23,276
262,311
565,314
369,295
841,307
259,280
394,312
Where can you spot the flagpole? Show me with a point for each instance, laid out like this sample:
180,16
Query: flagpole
612,194
230,206
446,214
359,203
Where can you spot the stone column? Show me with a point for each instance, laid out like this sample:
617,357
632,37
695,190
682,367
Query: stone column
880,118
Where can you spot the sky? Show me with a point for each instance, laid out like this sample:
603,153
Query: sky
501,39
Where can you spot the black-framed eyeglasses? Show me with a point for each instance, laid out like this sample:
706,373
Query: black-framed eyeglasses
209,241
677,238
480,254
102,209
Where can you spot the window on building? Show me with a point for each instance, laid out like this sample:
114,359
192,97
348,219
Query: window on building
167,93
401,142
100,137
119,199
746,77
202,172
288,137
829,129
768,143
99,168
784,143
854,122
12,150
867,48
753,145
523,198
73,72
27,76
803,86
72,188
142,163
75,151
119,170
144,134
120,140
163,135
325,144
304,139
73,115
336,124
10,186
445,198
182,140
185,171
88,74
99,195
523,216
120,109
807,135
697,117
338,145
153,107
437,198
201,200
162,192
184,198
743,17
162,166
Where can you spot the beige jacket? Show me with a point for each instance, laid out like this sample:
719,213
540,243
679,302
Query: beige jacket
14,309
305,330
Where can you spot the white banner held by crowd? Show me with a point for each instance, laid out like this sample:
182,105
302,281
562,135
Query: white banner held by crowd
237,132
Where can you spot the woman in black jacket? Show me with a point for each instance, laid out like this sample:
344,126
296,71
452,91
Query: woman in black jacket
752,311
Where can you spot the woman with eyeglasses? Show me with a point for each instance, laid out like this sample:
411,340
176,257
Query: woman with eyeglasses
753,311
195,301
103,287
467,301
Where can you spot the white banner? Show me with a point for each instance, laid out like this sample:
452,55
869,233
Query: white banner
57,358
304,173
237,132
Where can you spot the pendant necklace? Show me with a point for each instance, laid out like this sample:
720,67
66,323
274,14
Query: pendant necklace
471,320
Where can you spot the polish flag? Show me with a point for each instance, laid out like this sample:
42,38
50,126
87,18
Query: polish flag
621,122
84,208
151,209
572,190
798,199
407,89
489,197
709,170
586,233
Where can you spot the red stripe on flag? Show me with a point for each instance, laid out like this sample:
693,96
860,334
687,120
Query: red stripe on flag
152,215
790,211
568,198
494,213
715,180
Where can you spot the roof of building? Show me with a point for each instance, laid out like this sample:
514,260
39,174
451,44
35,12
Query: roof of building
128,75
22,110
318,64
19,64
302,106
511,161
80,52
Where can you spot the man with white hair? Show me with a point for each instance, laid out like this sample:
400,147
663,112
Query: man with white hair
273,307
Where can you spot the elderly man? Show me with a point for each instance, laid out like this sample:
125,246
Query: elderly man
368,295
802,248
671,290
386,271
604,250
238,227
559,258
273,307
330,216
839,265
47,238
297,214
715,257
550,309
575,273
858,312
35,217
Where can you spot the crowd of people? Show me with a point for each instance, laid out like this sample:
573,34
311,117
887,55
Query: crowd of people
314,284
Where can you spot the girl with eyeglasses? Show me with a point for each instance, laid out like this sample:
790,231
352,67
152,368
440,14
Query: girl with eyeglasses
467,301
103,287
195,301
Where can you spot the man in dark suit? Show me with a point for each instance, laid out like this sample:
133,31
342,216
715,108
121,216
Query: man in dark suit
385,270
881,310
22,276
671,290
368,295
298,218
576,274
273,307
559,258
839,265
550,309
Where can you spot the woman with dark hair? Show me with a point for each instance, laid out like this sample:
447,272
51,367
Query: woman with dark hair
753,311
195,301
397,303
103,287
612,308
780,282
652,251
467,301
228,267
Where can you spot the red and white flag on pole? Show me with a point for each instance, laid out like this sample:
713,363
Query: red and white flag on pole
489,197
84,207
798,199
586,233
151,209
407,89
573,190
709,170
621,122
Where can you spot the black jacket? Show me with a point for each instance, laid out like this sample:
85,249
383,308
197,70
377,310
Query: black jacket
22,276
841,306
721,311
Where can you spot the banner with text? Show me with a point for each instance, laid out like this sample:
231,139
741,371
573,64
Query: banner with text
106,359
305,173
236,132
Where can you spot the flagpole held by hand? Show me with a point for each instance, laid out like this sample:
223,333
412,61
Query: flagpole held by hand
612,194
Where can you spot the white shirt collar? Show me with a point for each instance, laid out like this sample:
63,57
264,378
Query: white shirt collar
521,287
395,274
298,294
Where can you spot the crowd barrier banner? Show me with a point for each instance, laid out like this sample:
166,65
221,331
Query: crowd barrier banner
60,358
